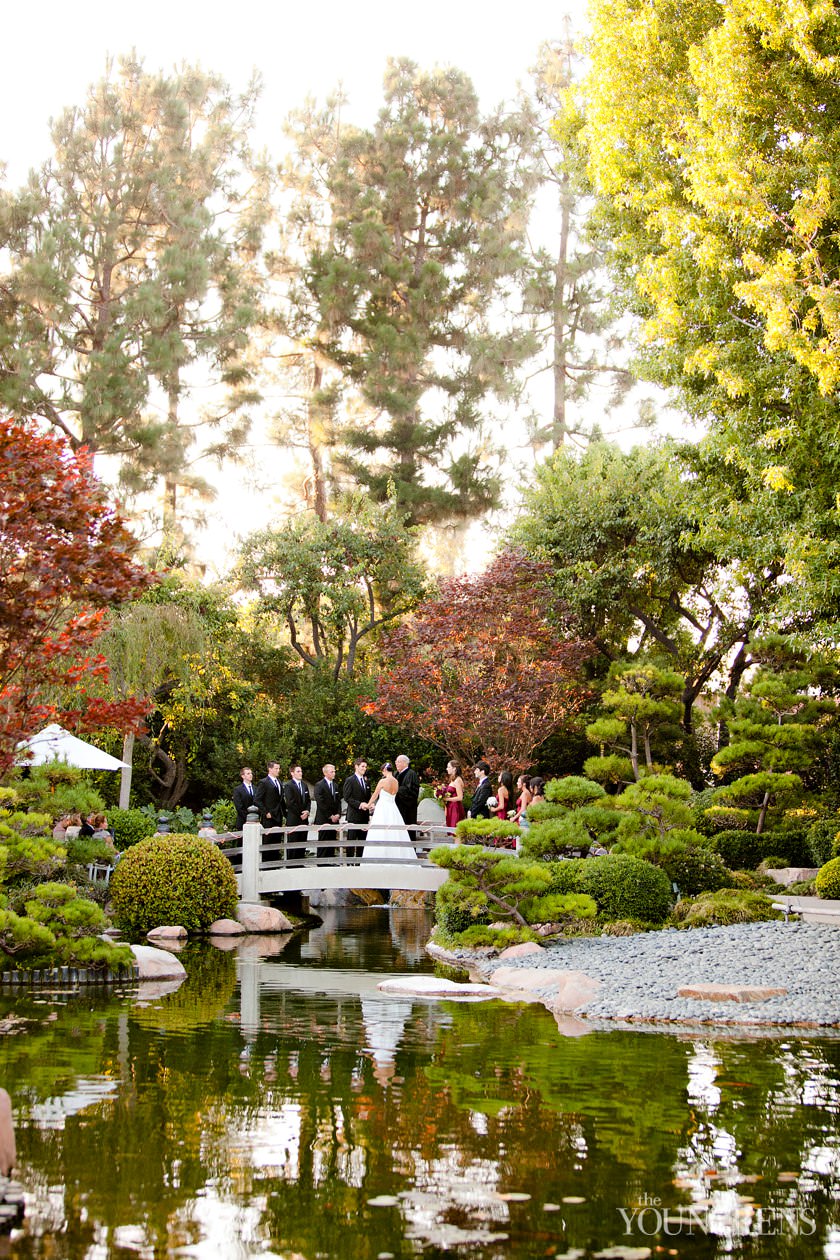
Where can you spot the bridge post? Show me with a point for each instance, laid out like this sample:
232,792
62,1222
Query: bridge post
251,842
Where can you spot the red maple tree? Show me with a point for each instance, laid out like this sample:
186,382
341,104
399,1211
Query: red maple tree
65,558
481,671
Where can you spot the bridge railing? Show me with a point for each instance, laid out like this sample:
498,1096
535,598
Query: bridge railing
332,844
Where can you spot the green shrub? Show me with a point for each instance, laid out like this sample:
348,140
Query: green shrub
729,905
698,868
627,888
773,863
727,818
173,879
130,826
542,811
58,790
573,791
740,850
751,880
224,815
490,832
458,908
84,849
821,837
498,938
827,882
567,876
790,843
628,927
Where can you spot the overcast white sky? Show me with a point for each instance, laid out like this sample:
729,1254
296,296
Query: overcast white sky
54,50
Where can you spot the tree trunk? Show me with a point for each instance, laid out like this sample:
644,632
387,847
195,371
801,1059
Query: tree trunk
634,751
559,428
762,814
125,773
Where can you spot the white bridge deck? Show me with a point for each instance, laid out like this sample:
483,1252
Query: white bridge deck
285,859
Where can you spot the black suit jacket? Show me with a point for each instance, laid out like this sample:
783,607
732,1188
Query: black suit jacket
296,802
327,802
354,794
482,794
269,801
408,794
243,800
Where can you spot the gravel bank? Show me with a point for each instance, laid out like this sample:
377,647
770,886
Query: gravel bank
640,975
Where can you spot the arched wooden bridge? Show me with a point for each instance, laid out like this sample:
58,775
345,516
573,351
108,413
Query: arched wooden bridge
285,859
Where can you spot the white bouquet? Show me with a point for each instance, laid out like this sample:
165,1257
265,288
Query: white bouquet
492,802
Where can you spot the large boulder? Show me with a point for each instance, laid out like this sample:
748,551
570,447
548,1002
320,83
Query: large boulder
156,964
560,990
226,927
256,917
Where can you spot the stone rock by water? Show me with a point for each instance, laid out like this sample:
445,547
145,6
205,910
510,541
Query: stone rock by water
730,992
226,927
255,917
8,1154
787,875
338,898
156,964
519,951
411,899
561,990
436,986
167,932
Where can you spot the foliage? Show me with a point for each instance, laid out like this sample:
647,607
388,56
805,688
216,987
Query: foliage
481,670
172,879
512,888
458,907
224,815
621,533
65,559
697,869
774,730
332,585
487,831
722,231
497,938
627,888
577,829
26,847
403,281
740,850
129,826
827,882
642,704
541,811
573,791
822,836
84,849
57,789
132,254
728,905
654,805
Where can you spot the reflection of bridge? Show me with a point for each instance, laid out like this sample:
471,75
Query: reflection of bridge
296,859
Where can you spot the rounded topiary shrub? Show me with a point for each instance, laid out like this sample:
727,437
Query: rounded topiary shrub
627,888
697,869
130,826
821,837
177,879
827,882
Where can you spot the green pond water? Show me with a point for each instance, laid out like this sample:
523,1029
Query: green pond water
279,1106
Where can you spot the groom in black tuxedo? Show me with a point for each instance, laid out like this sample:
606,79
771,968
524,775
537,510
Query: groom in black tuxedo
243,796
327,810
482,794
356,792
408,793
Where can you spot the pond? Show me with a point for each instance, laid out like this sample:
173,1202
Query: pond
281,1107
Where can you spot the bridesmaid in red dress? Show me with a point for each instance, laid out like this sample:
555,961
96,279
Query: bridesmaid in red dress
524,800
504,794
455,789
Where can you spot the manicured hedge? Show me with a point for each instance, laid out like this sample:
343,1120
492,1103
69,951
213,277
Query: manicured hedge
177,879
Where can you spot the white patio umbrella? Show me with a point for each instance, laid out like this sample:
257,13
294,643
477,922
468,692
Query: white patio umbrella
53,743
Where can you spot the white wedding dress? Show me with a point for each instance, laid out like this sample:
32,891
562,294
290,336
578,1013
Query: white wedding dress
385,846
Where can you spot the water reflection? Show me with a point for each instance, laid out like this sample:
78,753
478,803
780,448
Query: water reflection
276,1104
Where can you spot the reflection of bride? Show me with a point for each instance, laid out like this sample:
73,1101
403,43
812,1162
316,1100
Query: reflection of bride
395,843
384,1023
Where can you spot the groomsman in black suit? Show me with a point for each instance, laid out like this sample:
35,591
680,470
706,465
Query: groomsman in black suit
356,792
243,796
268,797
482,794
327,810
297,800
408,793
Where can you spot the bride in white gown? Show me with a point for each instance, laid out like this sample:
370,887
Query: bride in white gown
395,843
